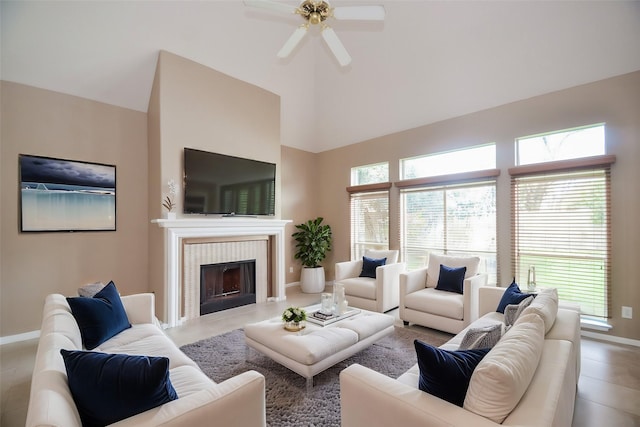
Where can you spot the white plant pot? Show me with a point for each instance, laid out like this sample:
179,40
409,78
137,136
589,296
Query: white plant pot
171,215
312,280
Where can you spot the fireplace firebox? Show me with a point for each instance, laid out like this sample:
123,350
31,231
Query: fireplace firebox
227,285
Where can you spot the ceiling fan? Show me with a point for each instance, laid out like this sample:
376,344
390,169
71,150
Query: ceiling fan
315,12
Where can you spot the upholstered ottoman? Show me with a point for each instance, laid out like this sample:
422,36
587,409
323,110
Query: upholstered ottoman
316,348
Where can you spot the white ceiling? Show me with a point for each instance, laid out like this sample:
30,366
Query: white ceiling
428,61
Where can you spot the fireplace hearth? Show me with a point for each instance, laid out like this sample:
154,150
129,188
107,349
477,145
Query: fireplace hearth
227,285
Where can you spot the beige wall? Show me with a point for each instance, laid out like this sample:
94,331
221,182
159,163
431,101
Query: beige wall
299,202
615,101
33,265
197,107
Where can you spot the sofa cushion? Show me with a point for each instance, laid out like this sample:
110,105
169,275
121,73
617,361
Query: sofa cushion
513,311
546,306
101,317
433,268
482,337
369,266
363,287
111,387
390,254
511,295
503,376
451,279
445,374
439,303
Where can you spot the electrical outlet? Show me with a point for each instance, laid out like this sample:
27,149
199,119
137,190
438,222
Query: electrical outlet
290,269
627,312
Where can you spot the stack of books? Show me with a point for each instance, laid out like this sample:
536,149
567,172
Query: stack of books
322,316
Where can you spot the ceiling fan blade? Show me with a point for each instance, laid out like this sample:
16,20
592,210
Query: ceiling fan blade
293,41
336,46
362,13
271,5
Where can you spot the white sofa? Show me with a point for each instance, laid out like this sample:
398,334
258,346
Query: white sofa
371,399
238,401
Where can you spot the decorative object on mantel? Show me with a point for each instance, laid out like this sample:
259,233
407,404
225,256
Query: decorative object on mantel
294,319
313,241
168,202
315,12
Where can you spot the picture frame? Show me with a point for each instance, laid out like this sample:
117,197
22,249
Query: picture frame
66,195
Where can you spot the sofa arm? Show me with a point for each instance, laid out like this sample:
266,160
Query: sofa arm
413,281
368,398
488,299
348,269
236,402
388,285
470,291
140,308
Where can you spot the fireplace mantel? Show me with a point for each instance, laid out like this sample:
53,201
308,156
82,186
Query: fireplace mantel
182,228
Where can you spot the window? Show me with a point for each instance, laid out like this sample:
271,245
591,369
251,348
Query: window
563,145
476,158
369,201
561,217
448,206
455,219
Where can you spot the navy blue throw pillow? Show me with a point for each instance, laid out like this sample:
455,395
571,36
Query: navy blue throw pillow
369,266
107,388
446,374
101,317
451,279
512,295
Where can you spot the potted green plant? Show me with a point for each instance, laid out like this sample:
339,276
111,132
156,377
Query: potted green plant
313,241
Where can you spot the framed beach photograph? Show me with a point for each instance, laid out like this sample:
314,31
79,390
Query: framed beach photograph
66,195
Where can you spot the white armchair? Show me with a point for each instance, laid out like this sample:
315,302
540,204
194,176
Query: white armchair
378,294
421,303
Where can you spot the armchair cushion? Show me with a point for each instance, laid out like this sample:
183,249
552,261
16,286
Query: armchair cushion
511,295
369,266
446,374
450,279
439,303
433,268
391,254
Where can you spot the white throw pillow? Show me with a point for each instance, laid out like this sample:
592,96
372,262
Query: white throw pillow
546,306
513,311
433,269
88,291
503,376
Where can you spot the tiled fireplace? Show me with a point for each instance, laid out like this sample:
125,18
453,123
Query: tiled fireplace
193,243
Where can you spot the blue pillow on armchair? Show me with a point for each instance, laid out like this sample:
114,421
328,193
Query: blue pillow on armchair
451,279
511,295
101,317
369,266
107,388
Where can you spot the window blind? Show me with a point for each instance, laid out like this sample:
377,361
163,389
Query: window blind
561,225
369,222
454,219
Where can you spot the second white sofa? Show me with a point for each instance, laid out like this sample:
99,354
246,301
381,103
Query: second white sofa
371,399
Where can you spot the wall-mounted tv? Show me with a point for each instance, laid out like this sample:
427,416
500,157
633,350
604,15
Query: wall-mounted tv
220,184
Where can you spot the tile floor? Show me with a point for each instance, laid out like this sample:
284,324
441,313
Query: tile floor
608,392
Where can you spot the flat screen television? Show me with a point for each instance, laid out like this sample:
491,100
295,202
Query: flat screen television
220,184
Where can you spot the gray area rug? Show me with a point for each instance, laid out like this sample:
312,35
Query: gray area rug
288,403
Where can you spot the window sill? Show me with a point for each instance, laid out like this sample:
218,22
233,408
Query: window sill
595,324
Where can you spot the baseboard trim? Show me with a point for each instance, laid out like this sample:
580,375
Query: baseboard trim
611,338
9,339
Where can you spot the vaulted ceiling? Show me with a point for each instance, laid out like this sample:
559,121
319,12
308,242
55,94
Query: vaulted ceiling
428,61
